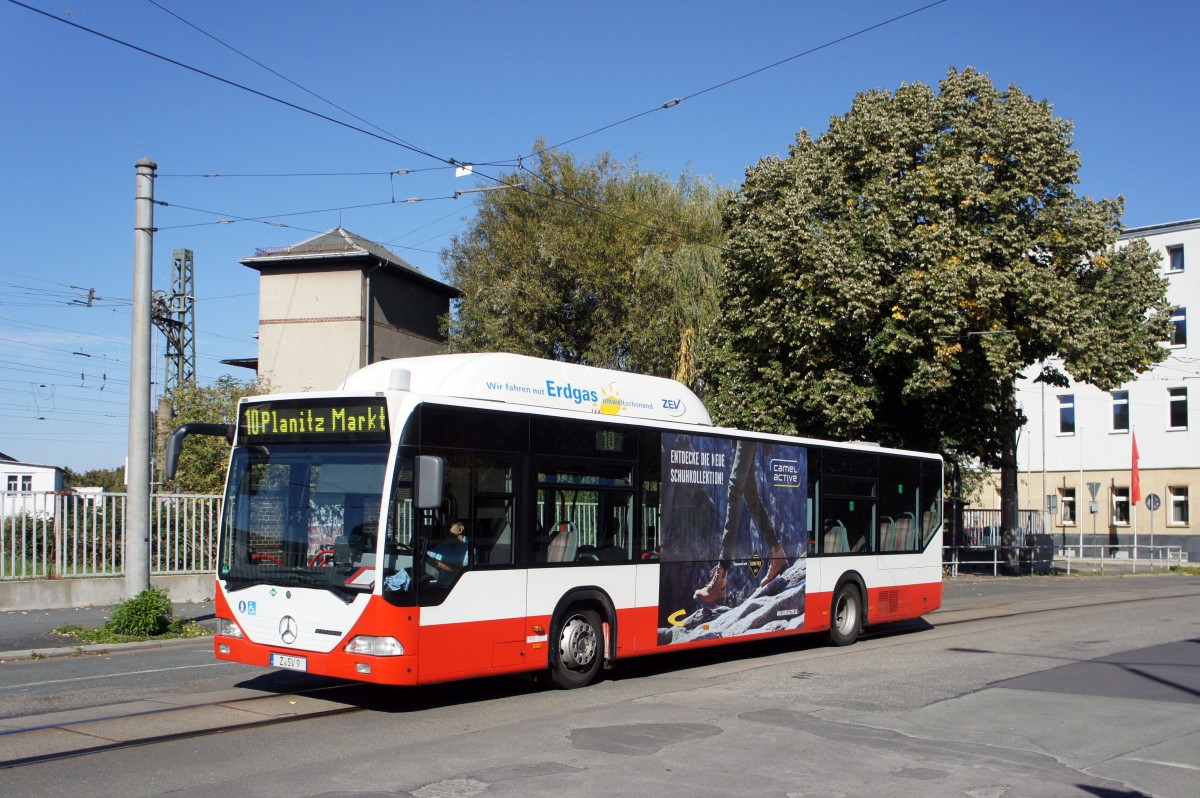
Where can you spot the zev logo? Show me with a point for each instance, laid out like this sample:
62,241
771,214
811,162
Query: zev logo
673,407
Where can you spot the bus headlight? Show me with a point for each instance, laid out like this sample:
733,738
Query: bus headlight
228,628
375,646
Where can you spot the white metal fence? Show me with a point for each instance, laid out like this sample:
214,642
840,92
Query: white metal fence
982,528
56,535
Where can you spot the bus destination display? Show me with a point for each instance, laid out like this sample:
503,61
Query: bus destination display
314,421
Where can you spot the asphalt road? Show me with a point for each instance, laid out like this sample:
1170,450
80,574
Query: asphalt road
1018,687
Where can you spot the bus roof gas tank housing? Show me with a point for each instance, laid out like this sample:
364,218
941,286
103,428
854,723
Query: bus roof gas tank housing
531,381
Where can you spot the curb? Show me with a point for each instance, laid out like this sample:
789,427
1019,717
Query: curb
100,648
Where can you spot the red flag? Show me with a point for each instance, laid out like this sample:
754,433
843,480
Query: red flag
1135,487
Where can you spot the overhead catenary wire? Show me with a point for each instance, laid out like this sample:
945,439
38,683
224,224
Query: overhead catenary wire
281,76
557,196
266,218
241,87
390,173
391,138
228,218
672,103
123,342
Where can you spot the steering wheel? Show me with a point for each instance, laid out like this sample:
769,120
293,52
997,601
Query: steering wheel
429,564
257,557
322,557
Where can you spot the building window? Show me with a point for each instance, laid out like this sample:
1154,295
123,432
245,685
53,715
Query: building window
1066,414
1120,411
26,482
1066,504
1179,333
1179,505
1120,508
1177,400
1175,259
12,482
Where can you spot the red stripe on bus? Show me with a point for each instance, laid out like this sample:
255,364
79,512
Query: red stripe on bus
514,645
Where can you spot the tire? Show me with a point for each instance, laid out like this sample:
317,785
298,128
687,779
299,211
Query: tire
578,651
845,615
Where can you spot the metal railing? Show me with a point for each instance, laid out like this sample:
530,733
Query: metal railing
1123,558
56,535
982,527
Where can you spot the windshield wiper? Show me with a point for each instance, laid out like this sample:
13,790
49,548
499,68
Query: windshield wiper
325,579
235,583
296,577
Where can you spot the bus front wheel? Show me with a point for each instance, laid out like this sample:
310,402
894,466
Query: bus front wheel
845,618
579,650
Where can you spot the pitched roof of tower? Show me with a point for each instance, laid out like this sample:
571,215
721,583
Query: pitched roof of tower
335,244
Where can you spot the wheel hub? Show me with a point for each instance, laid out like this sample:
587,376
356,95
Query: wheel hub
845,614
577,644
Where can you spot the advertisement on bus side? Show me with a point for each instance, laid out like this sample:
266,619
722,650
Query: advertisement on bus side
734,537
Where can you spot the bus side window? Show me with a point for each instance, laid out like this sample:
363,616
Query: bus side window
495,545
492,508
852,522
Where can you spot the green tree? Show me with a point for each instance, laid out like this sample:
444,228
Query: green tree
111,479
892,278
597,263
204,458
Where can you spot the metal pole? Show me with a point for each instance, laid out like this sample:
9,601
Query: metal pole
1079,496
1152,535
1135,538
137,513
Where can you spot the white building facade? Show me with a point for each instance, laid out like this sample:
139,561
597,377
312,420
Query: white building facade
1075,453
25,486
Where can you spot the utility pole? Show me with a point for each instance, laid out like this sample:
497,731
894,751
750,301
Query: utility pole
137,473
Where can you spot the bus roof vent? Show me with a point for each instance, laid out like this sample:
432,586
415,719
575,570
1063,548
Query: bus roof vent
399,380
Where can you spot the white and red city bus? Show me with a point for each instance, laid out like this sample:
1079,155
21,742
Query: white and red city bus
455,516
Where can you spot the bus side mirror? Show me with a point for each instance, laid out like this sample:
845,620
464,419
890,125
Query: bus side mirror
175,442
427,487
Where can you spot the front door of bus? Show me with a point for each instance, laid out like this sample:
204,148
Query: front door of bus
473,620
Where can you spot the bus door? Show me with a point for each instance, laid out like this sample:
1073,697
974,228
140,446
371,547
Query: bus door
583,516
473,615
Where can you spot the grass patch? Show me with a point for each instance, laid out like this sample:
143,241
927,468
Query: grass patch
146,616
178,628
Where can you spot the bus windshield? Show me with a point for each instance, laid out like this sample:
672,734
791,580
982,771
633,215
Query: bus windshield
303,515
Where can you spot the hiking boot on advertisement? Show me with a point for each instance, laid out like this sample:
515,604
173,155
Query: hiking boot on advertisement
714,591
774,566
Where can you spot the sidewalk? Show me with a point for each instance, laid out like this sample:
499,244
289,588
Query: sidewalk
26,633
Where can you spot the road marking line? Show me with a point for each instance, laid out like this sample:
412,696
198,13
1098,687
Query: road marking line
109,676
1165,764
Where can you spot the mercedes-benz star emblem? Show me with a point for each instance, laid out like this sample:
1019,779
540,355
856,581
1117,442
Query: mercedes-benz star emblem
288,629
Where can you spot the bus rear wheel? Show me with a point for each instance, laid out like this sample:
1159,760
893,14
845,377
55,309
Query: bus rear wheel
845,617
579,650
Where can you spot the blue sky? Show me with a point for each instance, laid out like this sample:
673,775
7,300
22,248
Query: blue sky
476,82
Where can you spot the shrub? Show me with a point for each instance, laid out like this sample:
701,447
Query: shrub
147,614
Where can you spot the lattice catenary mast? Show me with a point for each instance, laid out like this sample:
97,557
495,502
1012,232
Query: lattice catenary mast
175,315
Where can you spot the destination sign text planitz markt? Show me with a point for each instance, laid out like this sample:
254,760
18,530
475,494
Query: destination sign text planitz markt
313,421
